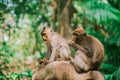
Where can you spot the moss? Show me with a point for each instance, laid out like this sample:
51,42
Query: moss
65,77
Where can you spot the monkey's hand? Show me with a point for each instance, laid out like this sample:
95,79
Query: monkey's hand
70,42
71,60
42,61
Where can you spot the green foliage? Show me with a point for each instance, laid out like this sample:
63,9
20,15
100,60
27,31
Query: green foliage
114,76
21,21
115,3
18,76
103,12
5,54
108,68
100,16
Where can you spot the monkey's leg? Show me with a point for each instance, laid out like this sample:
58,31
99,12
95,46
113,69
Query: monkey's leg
64,53
53,54
81,62
78,64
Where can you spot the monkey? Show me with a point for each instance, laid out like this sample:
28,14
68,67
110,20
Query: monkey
89,51
57,46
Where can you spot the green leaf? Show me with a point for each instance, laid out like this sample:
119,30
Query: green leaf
100,16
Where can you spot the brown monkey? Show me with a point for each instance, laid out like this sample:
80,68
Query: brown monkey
57,46
90,51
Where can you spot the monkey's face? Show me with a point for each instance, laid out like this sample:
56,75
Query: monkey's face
44,36
78,34
46,33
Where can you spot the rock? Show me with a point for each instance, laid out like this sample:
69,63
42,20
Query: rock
63,70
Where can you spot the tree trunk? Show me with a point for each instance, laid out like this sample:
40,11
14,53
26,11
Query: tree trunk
62,15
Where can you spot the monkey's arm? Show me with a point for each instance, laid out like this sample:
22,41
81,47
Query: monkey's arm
76,46
50,57
47,56
48,53
53,50
86,51
53,54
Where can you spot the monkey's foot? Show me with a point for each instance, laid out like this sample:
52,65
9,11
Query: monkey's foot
72,61
42,65
42,61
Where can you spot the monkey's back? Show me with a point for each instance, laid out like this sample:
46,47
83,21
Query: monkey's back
98,54
61,41
63,50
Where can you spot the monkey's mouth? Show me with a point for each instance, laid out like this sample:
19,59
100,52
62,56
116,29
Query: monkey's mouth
74,38
44,39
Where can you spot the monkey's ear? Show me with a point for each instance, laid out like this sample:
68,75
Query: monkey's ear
51,30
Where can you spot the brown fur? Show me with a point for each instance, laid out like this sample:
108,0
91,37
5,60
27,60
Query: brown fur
90,51
57,46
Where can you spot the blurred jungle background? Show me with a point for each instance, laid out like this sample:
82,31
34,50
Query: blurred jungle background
21,21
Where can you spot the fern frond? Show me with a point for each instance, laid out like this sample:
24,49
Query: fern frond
92,4
100,16
98,11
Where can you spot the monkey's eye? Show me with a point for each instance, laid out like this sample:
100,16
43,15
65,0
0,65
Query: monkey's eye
43,34
75,34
